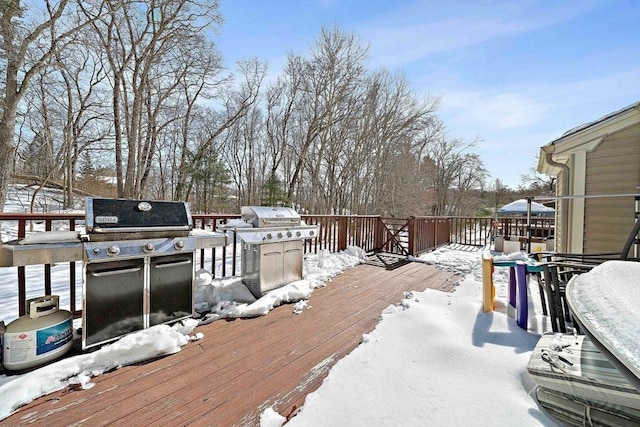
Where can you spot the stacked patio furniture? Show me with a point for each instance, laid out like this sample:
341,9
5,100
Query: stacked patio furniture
579,386
581,380
559,268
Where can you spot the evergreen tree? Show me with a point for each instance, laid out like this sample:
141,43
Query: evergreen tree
86,165
273,192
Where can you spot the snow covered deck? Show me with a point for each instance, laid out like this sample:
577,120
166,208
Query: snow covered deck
243,366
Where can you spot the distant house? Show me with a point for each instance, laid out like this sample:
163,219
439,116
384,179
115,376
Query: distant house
597,158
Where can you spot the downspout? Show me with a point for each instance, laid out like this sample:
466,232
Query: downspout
564,191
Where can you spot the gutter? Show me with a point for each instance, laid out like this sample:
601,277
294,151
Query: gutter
564,191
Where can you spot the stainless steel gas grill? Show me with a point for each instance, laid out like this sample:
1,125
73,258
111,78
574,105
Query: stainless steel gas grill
138,263
138,266
272,248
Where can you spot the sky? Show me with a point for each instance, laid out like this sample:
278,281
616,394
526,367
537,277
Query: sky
515,75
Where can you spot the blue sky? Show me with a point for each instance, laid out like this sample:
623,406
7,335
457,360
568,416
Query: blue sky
515,74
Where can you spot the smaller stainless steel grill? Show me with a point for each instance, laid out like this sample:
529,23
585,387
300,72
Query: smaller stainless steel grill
272,249
264,216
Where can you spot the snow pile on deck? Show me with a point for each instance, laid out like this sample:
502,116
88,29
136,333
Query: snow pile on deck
230,298
435,359
133,348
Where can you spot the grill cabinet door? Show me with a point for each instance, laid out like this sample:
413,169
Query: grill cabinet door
292,264
270,266
113,300
170,288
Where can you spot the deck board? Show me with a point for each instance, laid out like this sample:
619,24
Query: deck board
242,366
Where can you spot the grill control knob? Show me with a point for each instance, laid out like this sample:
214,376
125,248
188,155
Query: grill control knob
289,234
298,234
113,250
96,251
149,247
279,235
269,236
311,233
179,245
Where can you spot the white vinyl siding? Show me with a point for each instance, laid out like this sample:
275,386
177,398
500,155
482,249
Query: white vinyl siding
612,168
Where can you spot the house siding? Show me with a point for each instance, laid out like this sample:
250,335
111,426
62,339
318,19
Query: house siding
612,168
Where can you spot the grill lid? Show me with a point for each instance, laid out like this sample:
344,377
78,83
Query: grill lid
265,216
128,215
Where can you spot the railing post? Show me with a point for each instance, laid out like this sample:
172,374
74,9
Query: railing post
436,232
342,233
72,276
411,229
453,231
47,267
448,230
379,234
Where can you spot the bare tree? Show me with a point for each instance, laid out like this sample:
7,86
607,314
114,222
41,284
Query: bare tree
341,137
149,47
282,98
538,182
23,63
244,157
225,125
85,121
454,171
330,78
498,193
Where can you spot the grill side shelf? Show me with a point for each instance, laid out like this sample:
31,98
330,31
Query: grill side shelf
14,255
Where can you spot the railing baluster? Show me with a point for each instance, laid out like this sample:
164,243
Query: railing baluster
22,282
47,267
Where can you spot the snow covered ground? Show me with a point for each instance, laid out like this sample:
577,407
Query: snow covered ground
434,359
437,360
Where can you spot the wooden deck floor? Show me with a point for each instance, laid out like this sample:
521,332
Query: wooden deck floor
242,366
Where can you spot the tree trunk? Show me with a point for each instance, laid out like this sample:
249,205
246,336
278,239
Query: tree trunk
7,152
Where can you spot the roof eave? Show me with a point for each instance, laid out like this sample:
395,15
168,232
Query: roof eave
586,137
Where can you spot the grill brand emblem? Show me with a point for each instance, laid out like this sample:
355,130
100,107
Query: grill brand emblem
106,219
144,206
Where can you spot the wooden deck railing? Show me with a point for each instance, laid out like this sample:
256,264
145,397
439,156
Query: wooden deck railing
406,237
473,231
478,231
43,222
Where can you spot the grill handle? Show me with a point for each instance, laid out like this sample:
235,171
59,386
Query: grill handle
114,272
172,264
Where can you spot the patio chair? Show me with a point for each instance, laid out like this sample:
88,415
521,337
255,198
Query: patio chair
556,276
558,268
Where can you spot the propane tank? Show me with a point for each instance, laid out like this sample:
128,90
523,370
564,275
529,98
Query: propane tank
40,336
